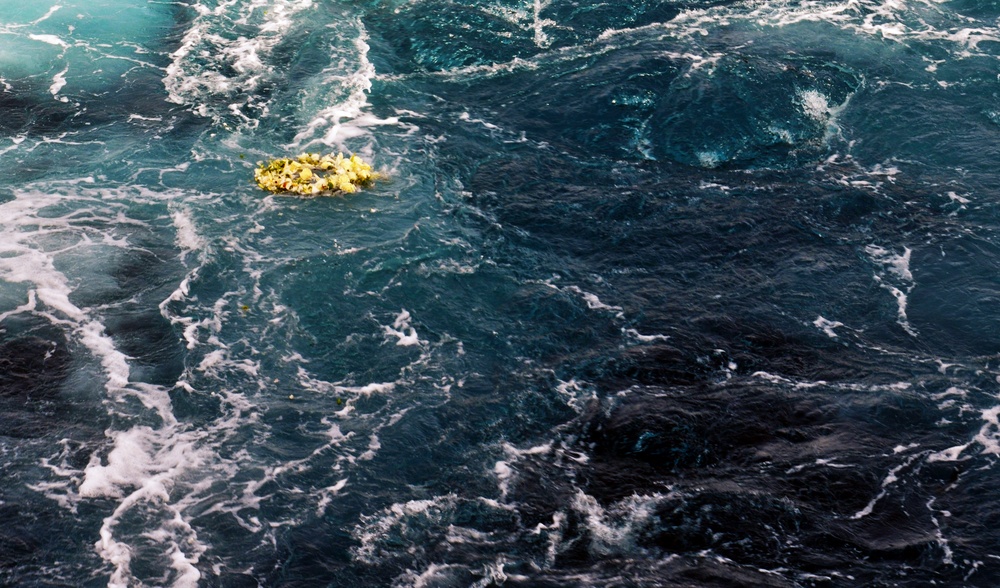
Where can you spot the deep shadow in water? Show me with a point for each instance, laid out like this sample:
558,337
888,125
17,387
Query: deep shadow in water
771,440
37,417
764,475
740,444
32,369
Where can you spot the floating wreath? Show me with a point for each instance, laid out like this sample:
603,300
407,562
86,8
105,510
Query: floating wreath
312,175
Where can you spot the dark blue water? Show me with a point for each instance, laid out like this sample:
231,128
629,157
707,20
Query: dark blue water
699,293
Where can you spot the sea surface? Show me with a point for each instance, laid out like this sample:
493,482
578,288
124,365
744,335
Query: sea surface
649,293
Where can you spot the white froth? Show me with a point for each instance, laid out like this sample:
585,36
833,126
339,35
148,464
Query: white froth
373,446
616,529
29,306
504,473
23,261
114,361
138,460
141,470
897,280
187,235
577,394
710,159
376,533
434,575
405,334
950,454
891,478
897,264
144,462
593,302
212,359
645,338
47,15
209,65
49,39
989,434
948,558
327,494
369,389
345,117
815,104
952,391
827,326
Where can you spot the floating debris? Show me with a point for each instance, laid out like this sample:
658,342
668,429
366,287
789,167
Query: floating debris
312,175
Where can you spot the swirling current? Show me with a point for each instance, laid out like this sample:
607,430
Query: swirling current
649,293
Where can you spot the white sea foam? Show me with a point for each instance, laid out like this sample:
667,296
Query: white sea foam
217,73
959,199
24,259
139,465
817,106
949,454
617,528
404,332
49,39
433,575
327,494
424,523
891,478
146,462
187,234
898,264
504,474
375,528
577,394
52,10
344,88
897,280
373,446
593,302
987,438
827,326
645,338
710,159
347,394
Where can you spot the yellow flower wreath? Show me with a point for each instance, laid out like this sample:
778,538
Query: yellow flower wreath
312,175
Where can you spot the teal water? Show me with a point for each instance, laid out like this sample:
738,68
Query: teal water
649,294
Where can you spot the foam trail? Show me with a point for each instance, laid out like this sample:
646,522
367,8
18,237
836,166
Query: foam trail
58,81
50,39
24,260
142,463
218,74
405,334
898,280
345,118
47,15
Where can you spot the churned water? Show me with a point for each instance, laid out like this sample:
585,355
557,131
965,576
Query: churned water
651,293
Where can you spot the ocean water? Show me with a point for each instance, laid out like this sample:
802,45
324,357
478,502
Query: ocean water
651,293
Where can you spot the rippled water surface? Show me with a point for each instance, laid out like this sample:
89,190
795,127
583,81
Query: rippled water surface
677,293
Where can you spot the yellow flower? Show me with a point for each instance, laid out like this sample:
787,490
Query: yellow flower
304,174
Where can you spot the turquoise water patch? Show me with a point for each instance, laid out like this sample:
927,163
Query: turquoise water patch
71,48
